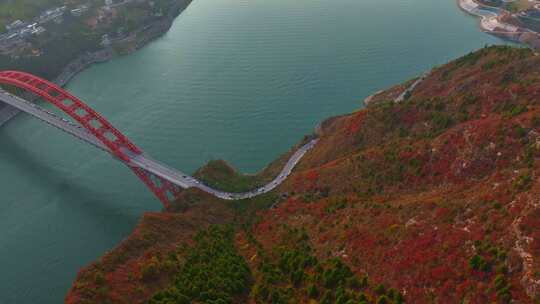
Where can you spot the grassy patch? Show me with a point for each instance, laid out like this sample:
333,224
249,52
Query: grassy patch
220,175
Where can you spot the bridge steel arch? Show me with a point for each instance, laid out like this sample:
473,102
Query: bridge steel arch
118,144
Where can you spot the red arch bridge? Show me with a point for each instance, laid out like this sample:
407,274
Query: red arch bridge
89,126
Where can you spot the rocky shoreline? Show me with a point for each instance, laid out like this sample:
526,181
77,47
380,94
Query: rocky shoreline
136,40
494,21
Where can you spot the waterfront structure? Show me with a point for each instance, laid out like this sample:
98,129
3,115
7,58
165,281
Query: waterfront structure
77,12
17,24
52,14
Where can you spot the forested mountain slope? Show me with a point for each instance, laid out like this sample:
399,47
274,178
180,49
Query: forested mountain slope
432,200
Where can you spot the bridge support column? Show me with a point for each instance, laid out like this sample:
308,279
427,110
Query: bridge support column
98,131
165,191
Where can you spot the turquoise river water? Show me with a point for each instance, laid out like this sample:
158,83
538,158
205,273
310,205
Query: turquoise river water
241,80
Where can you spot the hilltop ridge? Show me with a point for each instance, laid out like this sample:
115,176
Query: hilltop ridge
434,199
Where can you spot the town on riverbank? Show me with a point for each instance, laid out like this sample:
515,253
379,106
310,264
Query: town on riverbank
56,39
61,41
516,20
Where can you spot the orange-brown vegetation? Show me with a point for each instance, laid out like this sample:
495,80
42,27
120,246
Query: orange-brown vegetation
437,197
139,267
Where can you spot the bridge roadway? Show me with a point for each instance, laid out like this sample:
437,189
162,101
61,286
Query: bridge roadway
143,160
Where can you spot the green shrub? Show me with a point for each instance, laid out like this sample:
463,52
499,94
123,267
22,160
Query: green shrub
313,291
383,300
364,282
523,182
499,282
518,109
504,295
479,263
327,298
99,278
149,272
213,271
441,121
353,282
380,289
399,299
536,121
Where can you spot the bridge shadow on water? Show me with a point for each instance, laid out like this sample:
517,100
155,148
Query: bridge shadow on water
81,198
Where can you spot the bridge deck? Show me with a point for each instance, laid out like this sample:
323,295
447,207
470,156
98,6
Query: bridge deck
145,162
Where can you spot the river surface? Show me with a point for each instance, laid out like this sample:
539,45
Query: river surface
241,80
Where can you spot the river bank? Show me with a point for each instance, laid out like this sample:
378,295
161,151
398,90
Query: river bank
497,22
133,42
234,80
147,266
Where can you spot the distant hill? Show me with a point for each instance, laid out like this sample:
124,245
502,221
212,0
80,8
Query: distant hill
435,199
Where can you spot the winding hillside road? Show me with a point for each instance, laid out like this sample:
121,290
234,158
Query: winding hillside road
405,94
285,172
144,161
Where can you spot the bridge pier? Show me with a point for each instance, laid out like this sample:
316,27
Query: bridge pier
7,112
89,126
